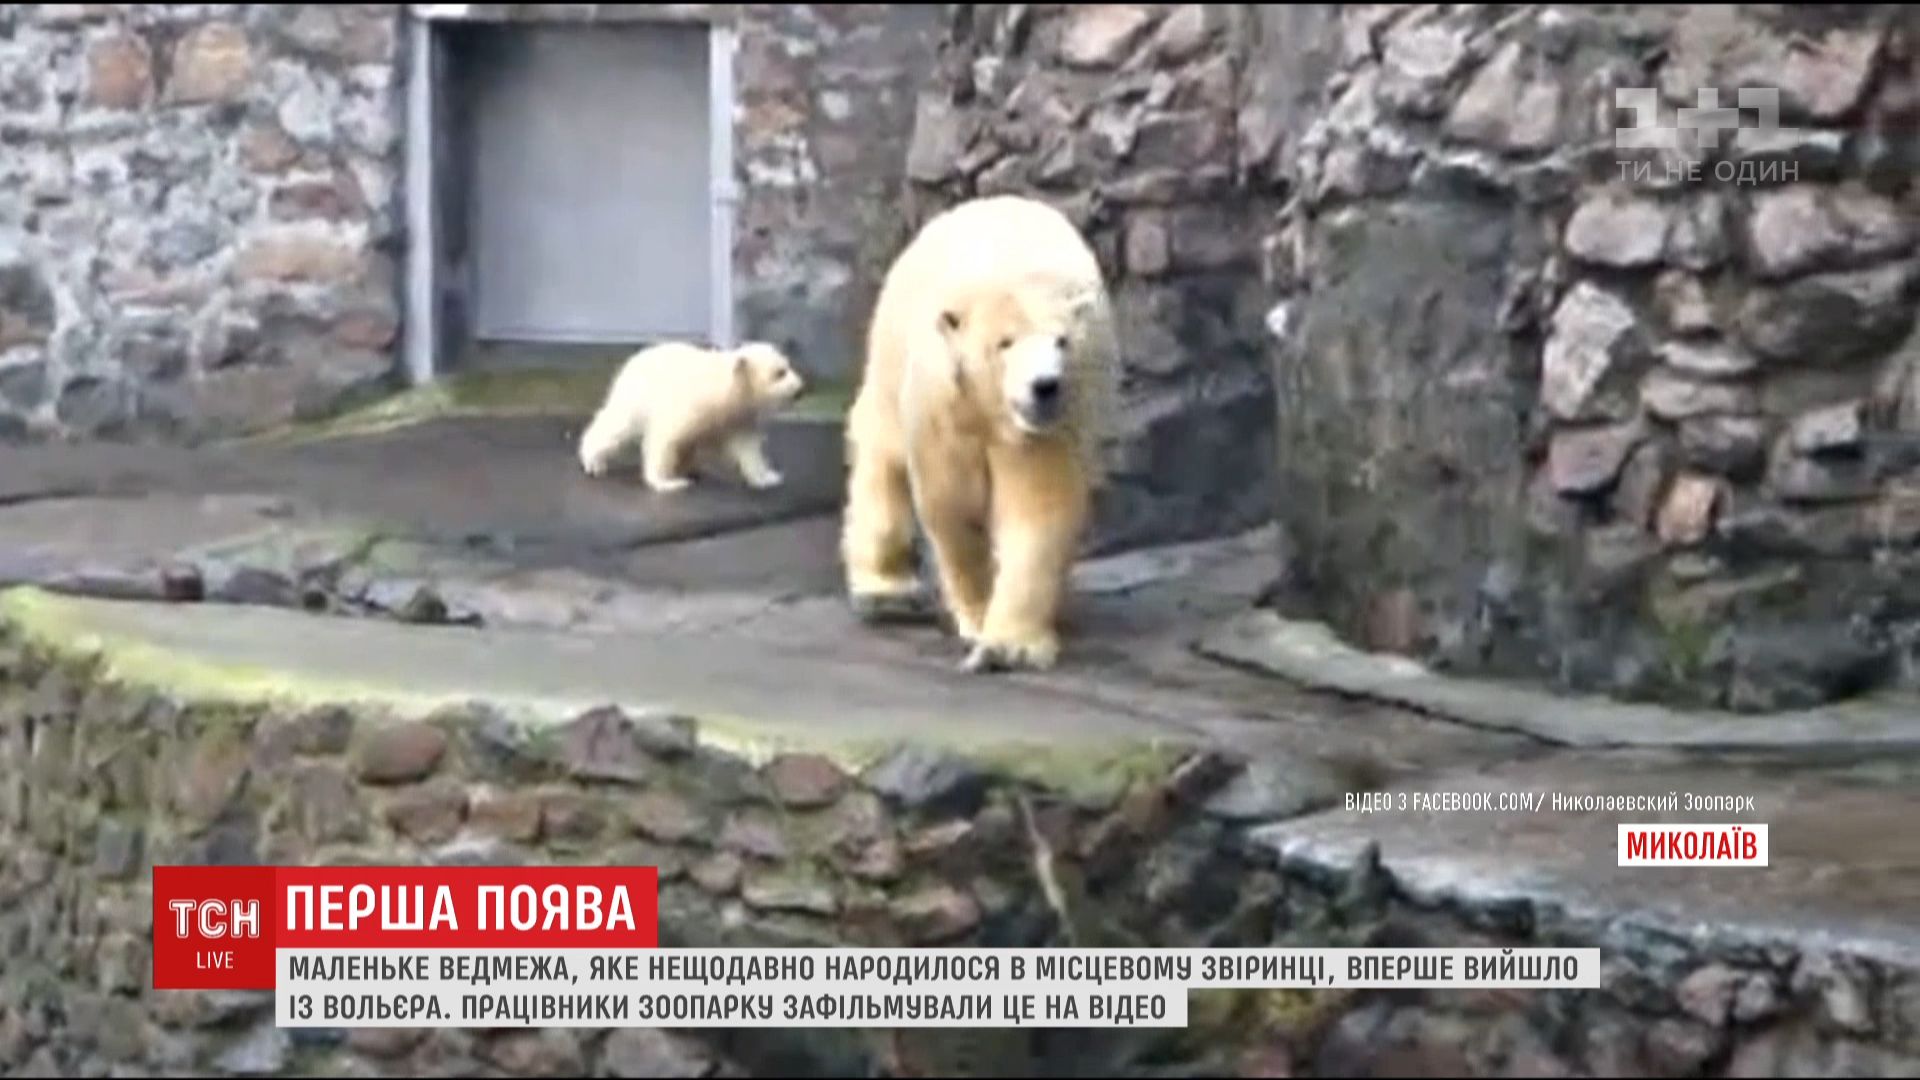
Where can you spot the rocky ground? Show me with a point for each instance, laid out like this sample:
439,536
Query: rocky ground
467,559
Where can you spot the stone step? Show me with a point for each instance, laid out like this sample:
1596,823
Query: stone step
1310,654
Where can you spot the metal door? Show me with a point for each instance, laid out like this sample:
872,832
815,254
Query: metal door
593,205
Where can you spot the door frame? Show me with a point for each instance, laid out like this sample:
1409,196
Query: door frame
424,343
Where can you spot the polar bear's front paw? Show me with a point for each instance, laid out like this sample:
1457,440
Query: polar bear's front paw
1036,653
763,480
667,485
903,604
966,627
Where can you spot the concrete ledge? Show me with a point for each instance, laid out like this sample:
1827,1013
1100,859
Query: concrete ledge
1311,654
749,699
790,797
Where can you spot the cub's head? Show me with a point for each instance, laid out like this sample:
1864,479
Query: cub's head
1013,348
767,377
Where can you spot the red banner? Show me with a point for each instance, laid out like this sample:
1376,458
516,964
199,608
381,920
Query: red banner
217,927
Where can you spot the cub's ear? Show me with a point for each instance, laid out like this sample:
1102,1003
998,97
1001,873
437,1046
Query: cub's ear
741,364
949,321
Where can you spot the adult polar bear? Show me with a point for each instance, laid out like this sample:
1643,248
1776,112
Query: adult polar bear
989,383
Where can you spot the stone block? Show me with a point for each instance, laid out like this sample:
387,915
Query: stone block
284,256
1687,514
1585,461
1807,227
399,752
804,781
1829,318
212,62
119,72
1593,333
1507,105
1617,230
599,745
1101,36
668,817
430,813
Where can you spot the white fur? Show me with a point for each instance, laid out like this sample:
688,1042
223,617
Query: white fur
680,401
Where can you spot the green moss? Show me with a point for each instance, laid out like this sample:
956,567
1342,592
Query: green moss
825,402
59,626
1686,648
1090,774
572,391
1093,776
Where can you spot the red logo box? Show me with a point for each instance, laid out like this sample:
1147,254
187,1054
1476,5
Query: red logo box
213,927
220,928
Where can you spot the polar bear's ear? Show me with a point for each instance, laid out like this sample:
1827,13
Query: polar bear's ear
949,321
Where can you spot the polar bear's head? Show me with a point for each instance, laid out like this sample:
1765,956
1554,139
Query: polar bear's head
1018,341
766,376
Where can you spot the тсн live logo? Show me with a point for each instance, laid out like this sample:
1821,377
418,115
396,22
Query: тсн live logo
215,919
225,927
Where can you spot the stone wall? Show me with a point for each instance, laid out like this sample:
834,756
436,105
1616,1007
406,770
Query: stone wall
206,234
1637,421
199,226
826,107
102,779
1125,117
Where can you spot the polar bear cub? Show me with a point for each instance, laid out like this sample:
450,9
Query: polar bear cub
683,402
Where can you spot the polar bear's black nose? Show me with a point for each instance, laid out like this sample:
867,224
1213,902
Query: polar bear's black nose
1046,390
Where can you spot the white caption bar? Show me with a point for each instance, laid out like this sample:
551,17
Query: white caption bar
965,988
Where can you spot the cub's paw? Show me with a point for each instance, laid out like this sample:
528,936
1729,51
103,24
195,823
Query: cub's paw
669,484
763,481
1024,654
891,606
